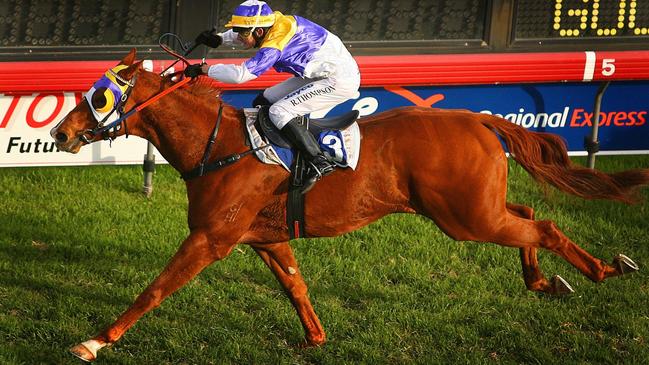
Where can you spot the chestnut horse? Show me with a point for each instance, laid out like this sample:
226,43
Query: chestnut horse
447,165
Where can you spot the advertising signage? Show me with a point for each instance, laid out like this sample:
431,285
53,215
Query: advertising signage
563,109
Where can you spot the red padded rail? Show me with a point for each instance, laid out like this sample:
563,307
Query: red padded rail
412,70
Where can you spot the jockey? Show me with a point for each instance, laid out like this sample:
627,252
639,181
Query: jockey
325,73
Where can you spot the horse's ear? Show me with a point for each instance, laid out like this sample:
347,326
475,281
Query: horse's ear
128,73
129,59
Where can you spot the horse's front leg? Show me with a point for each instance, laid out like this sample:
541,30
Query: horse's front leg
279,258
197,252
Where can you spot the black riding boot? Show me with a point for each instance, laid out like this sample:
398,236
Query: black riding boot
301,138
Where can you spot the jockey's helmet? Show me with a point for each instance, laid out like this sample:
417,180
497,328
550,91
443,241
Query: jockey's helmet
252,14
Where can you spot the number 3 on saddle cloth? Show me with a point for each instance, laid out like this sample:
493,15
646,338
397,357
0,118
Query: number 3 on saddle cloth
339,138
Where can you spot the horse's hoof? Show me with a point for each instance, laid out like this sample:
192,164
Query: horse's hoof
624,265
83,353
87,351
310,343
560,286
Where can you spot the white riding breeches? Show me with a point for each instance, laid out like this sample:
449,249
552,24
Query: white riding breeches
300,96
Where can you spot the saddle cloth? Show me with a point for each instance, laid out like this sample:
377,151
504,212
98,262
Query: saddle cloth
342,146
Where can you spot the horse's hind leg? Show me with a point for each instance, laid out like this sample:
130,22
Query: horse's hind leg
534,278
279,258
593,268
518,232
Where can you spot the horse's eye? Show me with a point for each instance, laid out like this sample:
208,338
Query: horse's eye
102,100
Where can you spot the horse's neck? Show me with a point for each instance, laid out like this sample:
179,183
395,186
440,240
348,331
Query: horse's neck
181,127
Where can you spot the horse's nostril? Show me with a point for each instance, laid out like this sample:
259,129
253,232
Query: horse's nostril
61,137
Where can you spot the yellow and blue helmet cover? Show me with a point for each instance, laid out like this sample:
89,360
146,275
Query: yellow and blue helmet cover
252,14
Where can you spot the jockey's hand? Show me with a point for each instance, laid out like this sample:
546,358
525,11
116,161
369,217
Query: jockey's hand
196,70
209,39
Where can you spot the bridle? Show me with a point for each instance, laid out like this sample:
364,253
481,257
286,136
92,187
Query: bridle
109,131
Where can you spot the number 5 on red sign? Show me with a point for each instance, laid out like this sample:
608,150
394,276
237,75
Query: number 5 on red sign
608,66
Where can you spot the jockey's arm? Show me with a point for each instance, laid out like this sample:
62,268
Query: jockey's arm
231,74
248,70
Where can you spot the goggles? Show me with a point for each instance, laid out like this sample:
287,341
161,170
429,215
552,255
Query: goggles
243,32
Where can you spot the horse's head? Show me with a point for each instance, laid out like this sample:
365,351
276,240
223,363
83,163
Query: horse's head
96,116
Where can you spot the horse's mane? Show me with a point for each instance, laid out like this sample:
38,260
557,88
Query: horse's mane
202,86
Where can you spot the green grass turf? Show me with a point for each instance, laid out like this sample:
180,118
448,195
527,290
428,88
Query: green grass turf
78,244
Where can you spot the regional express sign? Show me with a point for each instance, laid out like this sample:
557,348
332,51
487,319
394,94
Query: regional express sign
564,109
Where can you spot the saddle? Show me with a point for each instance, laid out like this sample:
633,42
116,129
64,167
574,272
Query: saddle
262,131
315,126
295,200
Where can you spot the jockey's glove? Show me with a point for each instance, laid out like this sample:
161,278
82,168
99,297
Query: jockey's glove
196,70
209,39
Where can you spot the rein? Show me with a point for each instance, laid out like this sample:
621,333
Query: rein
104,130
122,119
203,167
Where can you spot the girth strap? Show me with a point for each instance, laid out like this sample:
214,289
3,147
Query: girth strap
210,143
295,200
204,168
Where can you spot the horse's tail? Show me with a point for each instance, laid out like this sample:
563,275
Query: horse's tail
544,156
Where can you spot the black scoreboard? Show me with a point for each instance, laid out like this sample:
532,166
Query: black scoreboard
575,19
82,22
91,29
